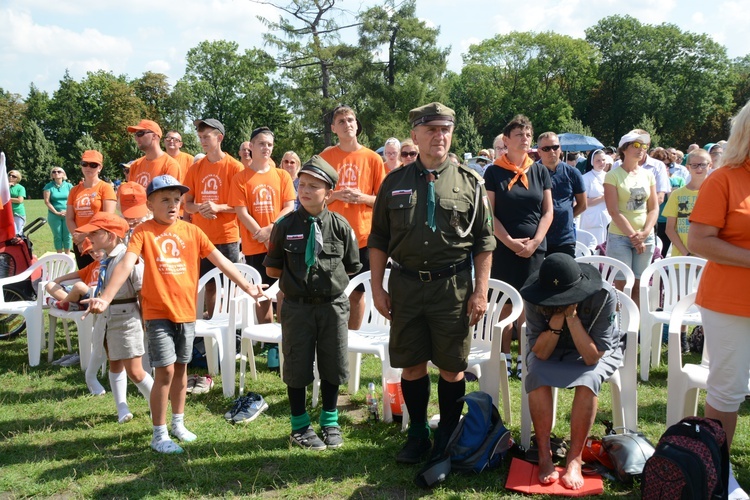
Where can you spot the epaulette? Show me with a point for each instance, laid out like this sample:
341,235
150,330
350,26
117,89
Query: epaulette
474,173
283,217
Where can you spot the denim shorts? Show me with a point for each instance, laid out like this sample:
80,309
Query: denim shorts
620,248
169,342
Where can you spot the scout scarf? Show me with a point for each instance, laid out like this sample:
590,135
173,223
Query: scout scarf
504,162
314,242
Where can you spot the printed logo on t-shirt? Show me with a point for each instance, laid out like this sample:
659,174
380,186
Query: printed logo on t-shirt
83,205
168,260
143,178
210,188
263,199
637,198
348,176
94,279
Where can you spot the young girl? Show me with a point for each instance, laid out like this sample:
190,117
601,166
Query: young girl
118,333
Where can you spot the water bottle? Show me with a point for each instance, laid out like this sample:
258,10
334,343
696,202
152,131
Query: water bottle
372,402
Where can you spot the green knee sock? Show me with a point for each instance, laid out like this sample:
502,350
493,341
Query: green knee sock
419,431
300,422
329,418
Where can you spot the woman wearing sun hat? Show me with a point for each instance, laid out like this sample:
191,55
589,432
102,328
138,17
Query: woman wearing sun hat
573,343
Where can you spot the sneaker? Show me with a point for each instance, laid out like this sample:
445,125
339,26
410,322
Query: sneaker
332,437
165,446
73,360
307,439
414,451
519,368
235,408
203,385
63,358
509,364
191,380
252,406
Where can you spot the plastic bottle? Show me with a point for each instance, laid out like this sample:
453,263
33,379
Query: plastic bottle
372,402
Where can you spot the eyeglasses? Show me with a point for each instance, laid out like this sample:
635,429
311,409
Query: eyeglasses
141,133
58,172
640,145
409,154
167,139
87,164
547,149
501,148
698,165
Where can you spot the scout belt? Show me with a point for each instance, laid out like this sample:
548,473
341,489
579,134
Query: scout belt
438,274
123,301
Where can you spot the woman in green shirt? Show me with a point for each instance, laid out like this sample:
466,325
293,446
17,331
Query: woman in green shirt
17,194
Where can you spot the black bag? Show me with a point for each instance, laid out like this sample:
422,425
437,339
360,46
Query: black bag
628,453
691,461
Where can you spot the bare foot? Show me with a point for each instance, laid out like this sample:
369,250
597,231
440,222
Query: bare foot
547,472
573,479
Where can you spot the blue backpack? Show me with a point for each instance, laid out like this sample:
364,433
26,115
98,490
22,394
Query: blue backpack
479,442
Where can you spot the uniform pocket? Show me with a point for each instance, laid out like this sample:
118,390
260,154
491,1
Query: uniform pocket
453,215
401,208
295,253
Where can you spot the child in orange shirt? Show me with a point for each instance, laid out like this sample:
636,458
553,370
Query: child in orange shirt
171,249
67,297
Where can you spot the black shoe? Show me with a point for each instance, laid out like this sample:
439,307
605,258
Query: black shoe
414,451
307,439
332,437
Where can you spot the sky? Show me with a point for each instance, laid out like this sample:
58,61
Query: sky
40,39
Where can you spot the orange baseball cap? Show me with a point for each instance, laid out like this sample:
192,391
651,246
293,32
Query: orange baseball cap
146,125
132,198
93,156
86,246
107,221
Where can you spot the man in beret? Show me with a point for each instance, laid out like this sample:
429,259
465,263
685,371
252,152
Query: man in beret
433,220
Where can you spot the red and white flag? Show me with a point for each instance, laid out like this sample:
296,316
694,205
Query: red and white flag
7,226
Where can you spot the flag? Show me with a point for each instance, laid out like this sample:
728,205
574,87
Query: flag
7,225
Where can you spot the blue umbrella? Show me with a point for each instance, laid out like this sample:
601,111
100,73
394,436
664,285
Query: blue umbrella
578,142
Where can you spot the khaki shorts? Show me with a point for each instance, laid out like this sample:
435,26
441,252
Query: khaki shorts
429,321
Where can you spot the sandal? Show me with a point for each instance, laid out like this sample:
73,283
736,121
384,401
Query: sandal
558,447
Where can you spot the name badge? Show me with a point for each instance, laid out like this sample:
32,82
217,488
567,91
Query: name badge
400,192
295,236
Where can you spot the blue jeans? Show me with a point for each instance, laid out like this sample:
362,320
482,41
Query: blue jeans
619,247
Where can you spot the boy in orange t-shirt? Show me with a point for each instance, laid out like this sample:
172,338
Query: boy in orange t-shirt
170,249
260,194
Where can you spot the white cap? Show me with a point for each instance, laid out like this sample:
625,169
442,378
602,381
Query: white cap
634,136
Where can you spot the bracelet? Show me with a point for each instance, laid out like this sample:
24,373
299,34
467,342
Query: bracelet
568,316
556,331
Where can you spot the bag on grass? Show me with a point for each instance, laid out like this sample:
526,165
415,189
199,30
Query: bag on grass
479,442
628,453
691,461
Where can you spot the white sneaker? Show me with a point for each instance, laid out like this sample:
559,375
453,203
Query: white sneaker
165,446
735,490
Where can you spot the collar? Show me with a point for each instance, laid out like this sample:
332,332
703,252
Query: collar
305,214
120,248
439,169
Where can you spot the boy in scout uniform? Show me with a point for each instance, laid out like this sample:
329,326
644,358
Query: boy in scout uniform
433,220
313,251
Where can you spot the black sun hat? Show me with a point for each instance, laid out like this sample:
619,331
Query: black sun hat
561,281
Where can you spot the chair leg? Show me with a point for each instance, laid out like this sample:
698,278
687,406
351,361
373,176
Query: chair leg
355,364
51,339
645,344
656,345
34,335
228,363
211,355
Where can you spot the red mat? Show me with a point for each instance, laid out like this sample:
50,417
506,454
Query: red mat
524,478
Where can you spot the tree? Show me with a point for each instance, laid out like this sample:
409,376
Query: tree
466,137
12,110
34,156
66,120
230,86
154,90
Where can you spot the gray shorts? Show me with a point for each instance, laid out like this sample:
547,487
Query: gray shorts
169,342
229,250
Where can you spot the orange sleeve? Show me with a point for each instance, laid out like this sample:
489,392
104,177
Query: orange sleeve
237,191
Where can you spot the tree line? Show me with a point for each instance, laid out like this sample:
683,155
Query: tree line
677,84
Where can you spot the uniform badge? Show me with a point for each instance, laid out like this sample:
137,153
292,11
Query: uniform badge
295,236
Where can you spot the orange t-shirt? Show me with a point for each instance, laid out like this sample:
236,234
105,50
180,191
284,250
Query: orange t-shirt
184,160
724,202
363,169
211,182
171,255
264,196
85,202
90,274
143,170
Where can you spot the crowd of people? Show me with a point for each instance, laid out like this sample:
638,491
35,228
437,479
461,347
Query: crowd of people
442,227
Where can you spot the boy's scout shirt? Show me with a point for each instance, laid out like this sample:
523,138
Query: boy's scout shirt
399,226
339,257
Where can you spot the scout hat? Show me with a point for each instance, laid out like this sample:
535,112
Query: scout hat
146,125
165,182
561,281
107,221
211,122
93,156
132,198
318,167
434,113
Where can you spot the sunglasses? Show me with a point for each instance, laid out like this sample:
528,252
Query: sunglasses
168,139
141,133
13,176
87,164
547,149
640,145
698,165
408,154
58,172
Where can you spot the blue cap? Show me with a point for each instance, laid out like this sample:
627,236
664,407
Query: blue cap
165,182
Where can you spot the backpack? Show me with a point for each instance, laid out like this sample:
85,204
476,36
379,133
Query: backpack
691,461
479,442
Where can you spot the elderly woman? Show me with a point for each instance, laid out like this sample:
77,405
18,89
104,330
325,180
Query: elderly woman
520,193
574,344
17,194
90,196
391,150
595,218
718,232
630,196
55,195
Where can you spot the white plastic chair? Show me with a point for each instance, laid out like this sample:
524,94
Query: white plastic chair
231,312
50,266
609,268
684,382
582,250
623,382
678,276
85,327
587,239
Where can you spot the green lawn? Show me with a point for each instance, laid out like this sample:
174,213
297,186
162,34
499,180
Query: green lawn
57,441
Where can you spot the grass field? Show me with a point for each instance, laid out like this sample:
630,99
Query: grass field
58,441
